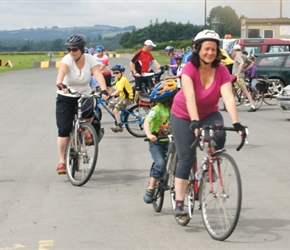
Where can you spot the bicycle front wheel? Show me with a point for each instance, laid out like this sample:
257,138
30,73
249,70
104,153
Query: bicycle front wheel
239,96
221,201
81,154
134,120
158,197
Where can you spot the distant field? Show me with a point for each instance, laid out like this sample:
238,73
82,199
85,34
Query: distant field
26,61
21,61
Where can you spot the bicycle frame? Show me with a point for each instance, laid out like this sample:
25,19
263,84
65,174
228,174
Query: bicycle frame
103,103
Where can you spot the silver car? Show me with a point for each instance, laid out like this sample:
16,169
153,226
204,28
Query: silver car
283,99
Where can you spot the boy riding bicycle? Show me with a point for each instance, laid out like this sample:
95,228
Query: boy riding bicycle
156,124
124,91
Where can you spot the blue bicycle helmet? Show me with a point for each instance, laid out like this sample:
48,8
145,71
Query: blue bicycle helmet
169,48
99,48
163,90
118,67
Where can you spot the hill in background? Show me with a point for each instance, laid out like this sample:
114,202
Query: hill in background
50,34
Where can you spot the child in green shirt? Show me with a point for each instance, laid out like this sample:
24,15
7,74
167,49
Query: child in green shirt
157,123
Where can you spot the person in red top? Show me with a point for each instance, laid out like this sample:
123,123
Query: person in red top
140,64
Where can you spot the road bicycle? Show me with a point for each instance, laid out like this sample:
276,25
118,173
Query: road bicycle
132,116
82,148
216,184
270,89
265,91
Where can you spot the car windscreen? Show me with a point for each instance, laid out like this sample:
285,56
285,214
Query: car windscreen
253,49
270,61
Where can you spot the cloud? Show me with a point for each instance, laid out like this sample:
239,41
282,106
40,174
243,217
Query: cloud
47,13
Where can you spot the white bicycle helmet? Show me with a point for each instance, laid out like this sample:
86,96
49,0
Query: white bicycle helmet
237,47
206,35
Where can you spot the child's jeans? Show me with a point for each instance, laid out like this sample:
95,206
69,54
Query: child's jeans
158,152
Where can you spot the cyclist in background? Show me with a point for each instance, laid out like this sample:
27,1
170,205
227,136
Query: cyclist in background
74,72
172,63
178,60
204,80
187,56
103,62
156,124
140,64
240,60
251,74
227,60
124,94
93,83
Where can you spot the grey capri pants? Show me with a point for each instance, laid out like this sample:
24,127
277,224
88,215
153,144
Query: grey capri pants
184,137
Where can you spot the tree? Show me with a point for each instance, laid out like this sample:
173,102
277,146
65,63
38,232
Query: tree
229,22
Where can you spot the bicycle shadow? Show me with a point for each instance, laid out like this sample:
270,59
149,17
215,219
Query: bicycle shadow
260,230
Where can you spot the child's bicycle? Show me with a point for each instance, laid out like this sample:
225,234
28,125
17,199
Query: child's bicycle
132,116
82,148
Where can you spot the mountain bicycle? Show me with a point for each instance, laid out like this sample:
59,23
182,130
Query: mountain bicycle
132,116
82,148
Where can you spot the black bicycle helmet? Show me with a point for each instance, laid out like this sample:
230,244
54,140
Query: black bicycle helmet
118,67
76,40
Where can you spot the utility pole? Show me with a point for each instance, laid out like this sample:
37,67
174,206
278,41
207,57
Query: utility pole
280,8
205,14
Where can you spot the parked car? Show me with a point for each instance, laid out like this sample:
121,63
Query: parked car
283,99
275,66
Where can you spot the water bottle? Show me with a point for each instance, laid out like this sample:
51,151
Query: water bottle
200,169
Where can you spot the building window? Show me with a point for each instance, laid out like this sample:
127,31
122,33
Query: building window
268,33
254,33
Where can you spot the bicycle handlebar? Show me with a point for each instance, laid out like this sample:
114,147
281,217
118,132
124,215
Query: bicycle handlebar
216,128
160,137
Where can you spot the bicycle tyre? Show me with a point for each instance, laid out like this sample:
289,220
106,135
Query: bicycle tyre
81,158
257,99
221,212
182,221
158,197
239,97
134,120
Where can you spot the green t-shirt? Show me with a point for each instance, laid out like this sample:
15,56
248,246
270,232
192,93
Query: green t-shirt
159,119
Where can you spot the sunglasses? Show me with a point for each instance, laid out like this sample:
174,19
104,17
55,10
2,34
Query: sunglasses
73,49
116,73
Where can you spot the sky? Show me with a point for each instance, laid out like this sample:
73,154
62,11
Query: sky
25,14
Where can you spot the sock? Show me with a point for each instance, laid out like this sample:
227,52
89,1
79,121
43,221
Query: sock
179,202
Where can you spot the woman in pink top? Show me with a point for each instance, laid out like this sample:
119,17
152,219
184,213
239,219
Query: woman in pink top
204,81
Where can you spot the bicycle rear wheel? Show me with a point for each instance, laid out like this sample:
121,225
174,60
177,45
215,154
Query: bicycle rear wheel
81,155
270,99
221,204
257,99
134,120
